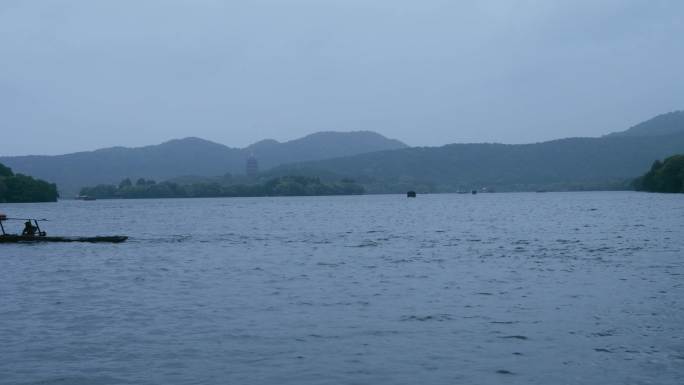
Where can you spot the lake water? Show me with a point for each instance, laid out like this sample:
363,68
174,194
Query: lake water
555,288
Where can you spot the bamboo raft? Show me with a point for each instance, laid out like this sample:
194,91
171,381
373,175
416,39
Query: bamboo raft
32,234
14,238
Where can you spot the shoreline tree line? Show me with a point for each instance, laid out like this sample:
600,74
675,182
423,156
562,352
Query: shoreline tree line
280,186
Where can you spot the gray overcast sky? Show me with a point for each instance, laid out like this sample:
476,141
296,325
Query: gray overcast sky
83,74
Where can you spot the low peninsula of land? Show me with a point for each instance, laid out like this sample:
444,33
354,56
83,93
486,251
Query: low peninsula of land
281,186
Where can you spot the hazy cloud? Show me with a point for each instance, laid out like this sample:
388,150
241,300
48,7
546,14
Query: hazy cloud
81,74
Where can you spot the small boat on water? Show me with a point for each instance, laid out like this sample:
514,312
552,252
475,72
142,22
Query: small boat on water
32,233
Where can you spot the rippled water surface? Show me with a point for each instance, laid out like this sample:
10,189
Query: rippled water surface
556,288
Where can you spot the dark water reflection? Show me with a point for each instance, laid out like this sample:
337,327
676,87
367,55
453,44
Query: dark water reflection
577,288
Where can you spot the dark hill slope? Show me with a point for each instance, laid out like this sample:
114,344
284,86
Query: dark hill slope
665,124
561,164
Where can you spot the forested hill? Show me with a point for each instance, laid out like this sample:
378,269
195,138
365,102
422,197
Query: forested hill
666,176
567,164
189,156
19,188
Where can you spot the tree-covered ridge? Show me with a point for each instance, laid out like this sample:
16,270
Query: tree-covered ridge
666,176
19,188
282,186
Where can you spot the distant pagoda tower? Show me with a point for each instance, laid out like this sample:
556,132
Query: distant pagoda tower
252,166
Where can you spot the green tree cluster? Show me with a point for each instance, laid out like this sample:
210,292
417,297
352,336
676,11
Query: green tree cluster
20,188
666,176
281,186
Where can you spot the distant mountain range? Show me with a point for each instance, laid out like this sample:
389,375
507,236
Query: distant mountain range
189,156
381,164
609,162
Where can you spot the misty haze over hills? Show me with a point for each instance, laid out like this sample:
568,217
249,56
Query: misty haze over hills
382,164
83,74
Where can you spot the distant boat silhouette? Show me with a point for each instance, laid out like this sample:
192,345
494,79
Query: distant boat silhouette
411,194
